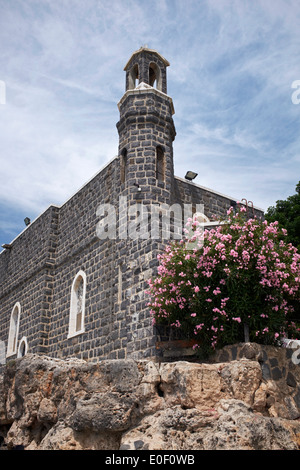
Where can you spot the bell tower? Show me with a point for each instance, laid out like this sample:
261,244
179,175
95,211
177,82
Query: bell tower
146,128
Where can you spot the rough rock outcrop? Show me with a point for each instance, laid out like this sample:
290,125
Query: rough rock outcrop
47,403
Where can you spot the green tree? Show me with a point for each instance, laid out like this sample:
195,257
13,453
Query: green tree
287,213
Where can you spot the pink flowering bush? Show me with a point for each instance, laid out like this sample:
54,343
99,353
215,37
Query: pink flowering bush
240,277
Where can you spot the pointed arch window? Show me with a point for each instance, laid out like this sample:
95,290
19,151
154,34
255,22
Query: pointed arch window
23,347
13,330
77,305
160,164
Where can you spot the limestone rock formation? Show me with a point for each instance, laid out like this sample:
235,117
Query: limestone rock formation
48,403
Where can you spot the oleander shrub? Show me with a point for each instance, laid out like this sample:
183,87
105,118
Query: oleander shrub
218,285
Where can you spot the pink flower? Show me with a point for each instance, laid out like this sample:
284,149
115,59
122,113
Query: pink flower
238,319
242,251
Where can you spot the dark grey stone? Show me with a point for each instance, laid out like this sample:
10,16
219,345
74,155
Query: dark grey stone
273,362
40,268
276,373
290,380
266,374
138,444
297,398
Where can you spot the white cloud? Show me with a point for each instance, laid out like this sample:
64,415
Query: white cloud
232,65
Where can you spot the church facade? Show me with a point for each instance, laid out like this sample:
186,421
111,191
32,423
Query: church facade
74,282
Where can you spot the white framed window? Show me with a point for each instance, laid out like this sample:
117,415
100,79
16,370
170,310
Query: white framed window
13,330
77,305
23,347
2,352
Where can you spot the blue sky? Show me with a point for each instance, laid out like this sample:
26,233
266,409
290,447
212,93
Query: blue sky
232,66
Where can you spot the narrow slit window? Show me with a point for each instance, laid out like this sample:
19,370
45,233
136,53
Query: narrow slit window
160,164
77,307
120,283
124,166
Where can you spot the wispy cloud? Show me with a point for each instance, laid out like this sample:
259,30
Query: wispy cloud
232,65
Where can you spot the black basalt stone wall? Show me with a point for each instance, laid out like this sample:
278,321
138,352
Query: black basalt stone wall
39,269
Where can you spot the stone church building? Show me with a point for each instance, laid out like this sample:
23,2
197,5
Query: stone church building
72,285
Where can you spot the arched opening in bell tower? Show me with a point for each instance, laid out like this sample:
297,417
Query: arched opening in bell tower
133,77
155,76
